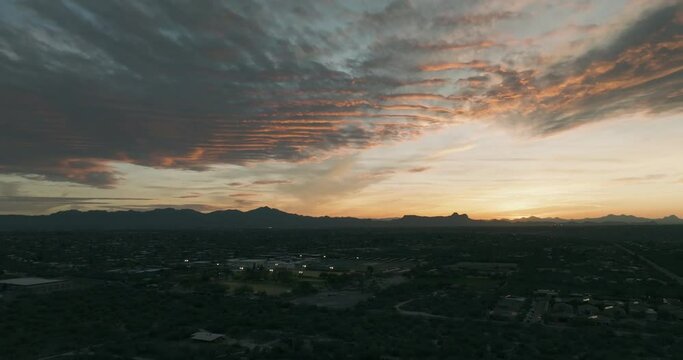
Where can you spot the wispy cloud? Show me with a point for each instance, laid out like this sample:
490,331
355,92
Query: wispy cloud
270,182
640,179
197,85
419,169
449,151
243,195
42,204
9,189
335,178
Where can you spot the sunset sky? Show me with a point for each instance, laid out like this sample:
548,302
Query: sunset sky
375,108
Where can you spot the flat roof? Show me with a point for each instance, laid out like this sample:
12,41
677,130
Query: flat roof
484,265
29,281
206,336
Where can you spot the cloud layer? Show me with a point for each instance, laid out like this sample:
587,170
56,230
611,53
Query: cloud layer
180,84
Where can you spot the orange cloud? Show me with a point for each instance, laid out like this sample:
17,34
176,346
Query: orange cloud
474,64
414,96
419,169
458,46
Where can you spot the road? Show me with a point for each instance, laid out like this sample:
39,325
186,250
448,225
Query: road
664,271
427,315
420,313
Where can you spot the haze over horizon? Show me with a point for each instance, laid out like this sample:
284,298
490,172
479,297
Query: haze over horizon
271,210
371,109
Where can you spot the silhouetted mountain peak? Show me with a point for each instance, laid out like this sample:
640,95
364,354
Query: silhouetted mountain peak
670,220
266,217
173,211
460,216
67,212
622,218
266,210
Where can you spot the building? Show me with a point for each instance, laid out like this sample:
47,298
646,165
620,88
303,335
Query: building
671,311
34,285
562,312
205,336
637,308
537,311
508,308
600,320
587,310
650,314
486,268
614,311
546,292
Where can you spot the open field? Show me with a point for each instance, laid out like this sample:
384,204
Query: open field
257,287
333,299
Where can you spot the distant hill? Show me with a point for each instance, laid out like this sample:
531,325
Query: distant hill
454,220
608,219
265,217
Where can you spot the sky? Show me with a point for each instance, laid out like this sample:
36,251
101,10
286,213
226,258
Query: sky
367,108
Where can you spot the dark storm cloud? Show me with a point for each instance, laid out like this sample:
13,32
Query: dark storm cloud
168,84
182,84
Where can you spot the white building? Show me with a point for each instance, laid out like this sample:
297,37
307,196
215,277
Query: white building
34,285
205,336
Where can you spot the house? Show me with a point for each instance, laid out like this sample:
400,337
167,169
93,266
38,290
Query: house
673,302
508,308
537,310
562,312
205,336
671,311
600,320
650,314
637,308
614,311
587,310
503,315
34,285
546,293
486,268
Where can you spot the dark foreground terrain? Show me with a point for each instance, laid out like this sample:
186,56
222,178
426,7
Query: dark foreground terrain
551,292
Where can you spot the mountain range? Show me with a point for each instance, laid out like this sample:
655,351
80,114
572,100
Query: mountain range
265,217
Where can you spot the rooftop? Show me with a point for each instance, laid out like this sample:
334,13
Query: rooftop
29,281
203,335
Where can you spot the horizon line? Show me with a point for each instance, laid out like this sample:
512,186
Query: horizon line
349,216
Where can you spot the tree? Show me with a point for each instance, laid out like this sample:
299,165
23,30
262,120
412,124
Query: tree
304,288
243,290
